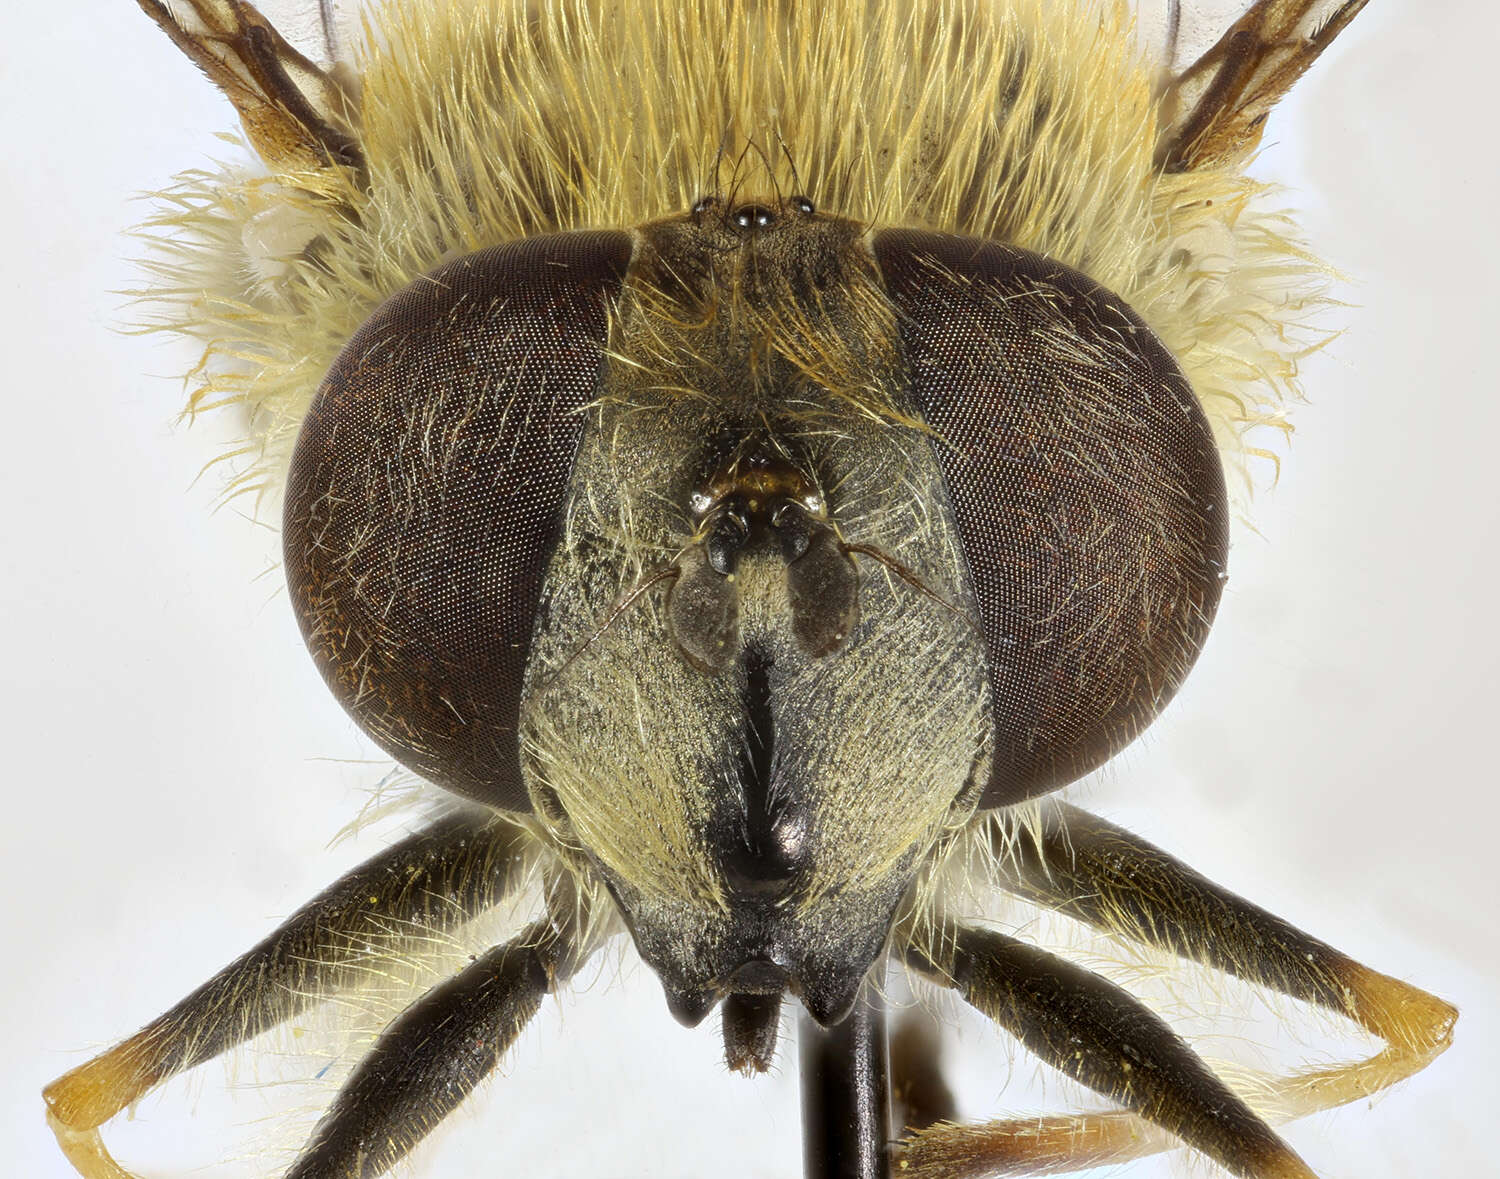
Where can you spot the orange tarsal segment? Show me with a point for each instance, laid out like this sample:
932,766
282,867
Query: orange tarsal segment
81,1101
1046,1145
85,1150
92,1093
1097,873
1408,1019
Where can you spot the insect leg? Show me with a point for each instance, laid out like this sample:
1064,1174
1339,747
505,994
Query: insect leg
920,1095
1087,868
1215,109
846,1104
294,112
1101,1036
1091,870
432,880
431,1057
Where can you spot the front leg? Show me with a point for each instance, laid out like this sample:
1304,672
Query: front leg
1092,870
1098,873
1099,1035
434,1053
433,880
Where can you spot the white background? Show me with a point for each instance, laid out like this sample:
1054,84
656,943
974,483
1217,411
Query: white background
174,760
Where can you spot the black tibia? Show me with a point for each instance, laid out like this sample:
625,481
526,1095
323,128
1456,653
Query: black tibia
1102,1037
846,1118
428,1060
1084,867
1088,869
920,1095
432,880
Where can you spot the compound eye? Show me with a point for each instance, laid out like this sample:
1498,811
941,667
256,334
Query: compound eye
1085,488
425,496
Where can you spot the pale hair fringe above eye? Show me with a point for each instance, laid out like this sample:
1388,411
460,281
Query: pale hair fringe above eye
481,121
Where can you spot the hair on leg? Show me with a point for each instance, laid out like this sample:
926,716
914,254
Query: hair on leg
1089,869
1086,868
1101,1036
433,1055
430,881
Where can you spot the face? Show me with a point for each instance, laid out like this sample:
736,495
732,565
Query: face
1347,666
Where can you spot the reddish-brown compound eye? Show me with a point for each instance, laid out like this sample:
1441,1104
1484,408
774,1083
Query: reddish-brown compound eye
425,495
1085,487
